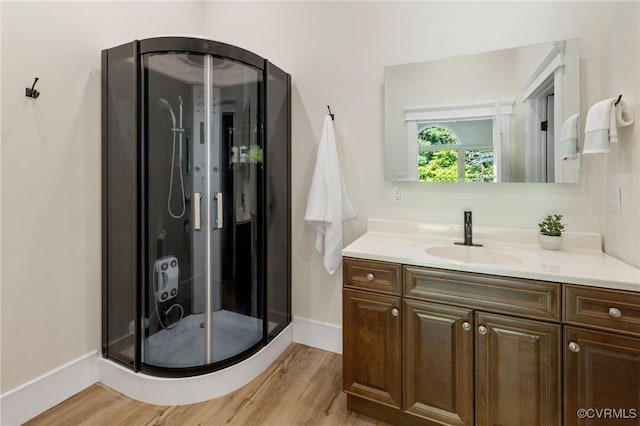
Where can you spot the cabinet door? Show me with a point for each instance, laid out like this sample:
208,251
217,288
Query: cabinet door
372,347
518,371
601,376
438,362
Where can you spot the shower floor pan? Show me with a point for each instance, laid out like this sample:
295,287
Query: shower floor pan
184,344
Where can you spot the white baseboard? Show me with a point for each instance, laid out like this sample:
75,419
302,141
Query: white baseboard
320,335
33,398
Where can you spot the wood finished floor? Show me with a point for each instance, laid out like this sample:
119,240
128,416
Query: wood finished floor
302,387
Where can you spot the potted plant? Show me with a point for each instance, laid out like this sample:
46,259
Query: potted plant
551,228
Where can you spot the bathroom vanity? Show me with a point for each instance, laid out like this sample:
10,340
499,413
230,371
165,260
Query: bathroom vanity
504,334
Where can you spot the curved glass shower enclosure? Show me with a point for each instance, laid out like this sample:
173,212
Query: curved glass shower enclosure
196,202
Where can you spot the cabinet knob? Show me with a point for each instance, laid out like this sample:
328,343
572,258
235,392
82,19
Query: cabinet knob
395,312
615,313
370,276
574,347
466,326
482,329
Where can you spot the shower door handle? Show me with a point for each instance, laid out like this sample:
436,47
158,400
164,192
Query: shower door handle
196,211
219,206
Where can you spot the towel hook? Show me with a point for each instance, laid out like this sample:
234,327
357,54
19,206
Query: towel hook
618,101
330,114
32,93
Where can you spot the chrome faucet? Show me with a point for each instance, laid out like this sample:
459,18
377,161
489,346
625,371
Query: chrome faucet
468,232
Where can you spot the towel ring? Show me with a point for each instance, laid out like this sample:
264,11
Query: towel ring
618,101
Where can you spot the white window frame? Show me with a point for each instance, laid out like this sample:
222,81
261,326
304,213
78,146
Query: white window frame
500,112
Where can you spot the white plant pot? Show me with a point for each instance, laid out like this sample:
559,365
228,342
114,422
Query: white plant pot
550,243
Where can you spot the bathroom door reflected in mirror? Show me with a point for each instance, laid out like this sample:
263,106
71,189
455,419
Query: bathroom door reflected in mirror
505,116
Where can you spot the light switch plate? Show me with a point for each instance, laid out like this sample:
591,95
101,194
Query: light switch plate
614,200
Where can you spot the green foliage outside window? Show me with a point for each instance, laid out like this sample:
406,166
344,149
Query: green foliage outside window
478,165
442,165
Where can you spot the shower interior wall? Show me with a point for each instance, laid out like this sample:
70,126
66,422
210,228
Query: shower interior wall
166,235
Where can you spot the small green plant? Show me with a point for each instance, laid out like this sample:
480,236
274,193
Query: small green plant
552,225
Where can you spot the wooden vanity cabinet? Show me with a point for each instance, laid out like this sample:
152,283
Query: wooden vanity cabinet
601,371
372,335
457,363
516,347
601,366
438,362
372,347
518,371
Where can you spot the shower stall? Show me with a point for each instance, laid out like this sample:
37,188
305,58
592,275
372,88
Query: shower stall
196,204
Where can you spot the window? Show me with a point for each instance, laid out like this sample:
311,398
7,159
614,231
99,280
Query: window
443,156
459,143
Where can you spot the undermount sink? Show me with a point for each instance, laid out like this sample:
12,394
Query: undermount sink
469,254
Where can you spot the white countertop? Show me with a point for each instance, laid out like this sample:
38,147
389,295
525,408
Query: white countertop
580,261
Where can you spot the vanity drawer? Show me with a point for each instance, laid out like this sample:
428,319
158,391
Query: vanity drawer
606,309
527,298
368,274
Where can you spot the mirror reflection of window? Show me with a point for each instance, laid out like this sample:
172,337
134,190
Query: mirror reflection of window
447,155
510,86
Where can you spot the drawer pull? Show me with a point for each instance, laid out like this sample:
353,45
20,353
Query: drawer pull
482,329
574,347
615,313
466,326
370,276
395,312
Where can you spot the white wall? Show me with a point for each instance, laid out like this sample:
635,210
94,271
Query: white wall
620,74
51,172
336,53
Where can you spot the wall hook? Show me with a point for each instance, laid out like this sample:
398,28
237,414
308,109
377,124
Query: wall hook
32,93
618,101
332,115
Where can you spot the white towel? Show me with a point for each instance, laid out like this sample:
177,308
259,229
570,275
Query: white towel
328,204
601,126
569,138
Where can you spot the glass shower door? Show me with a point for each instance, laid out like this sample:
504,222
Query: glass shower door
173,335
203,236
236,177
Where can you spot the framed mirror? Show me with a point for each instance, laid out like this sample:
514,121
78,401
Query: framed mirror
504,116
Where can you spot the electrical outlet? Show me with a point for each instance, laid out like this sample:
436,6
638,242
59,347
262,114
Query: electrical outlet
396,192
614,200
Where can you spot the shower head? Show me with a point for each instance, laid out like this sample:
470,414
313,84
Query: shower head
163,103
